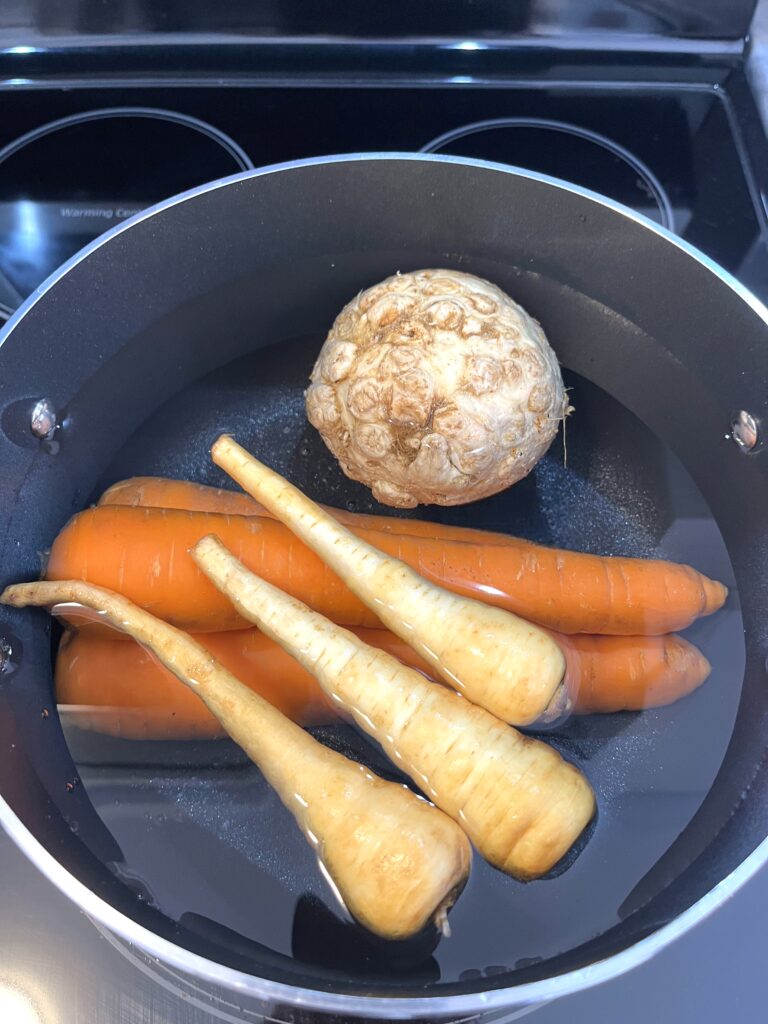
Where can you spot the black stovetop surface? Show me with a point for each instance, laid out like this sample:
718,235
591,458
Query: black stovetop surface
681,143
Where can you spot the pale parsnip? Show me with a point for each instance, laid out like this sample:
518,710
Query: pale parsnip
397,861
495,659
520,803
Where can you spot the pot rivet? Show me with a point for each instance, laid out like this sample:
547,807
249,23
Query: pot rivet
744,430
43,421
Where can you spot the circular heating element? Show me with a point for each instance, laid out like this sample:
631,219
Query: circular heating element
568,151
66,182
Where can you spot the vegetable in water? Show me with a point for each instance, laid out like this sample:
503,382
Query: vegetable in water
164,492
434,387
138,552
520,803
107,683
397,861
111,685
629,673
495,659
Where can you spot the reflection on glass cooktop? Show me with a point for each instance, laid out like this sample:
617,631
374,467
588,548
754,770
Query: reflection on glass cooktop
65,182
671,154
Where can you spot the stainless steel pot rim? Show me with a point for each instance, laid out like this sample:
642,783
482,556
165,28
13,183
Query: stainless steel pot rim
389,1007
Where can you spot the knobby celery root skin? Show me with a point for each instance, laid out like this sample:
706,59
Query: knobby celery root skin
397,861
495,659
107,683
520,803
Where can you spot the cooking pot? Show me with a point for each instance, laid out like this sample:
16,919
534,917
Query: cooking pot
204,314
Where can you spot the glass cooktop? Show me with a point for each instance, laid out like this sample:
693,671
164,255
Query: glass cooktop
675,154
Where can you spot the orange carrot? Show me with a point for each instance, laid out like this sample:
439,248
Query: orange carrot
163,492
115,686
143,553
111,685
629,673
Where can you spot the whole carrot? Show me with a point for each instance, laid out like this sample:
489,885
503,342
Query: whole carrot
109,684
144,551
397,861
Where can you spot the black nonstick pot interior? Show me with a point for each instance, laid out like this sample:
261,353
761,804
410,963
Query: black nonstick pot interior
206,317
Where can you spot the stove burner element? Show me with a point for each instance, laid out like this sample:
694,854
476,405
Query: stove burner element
568,151
65,182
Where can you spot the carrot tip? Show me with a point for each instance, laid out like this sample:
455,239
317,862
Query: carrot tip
715,594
